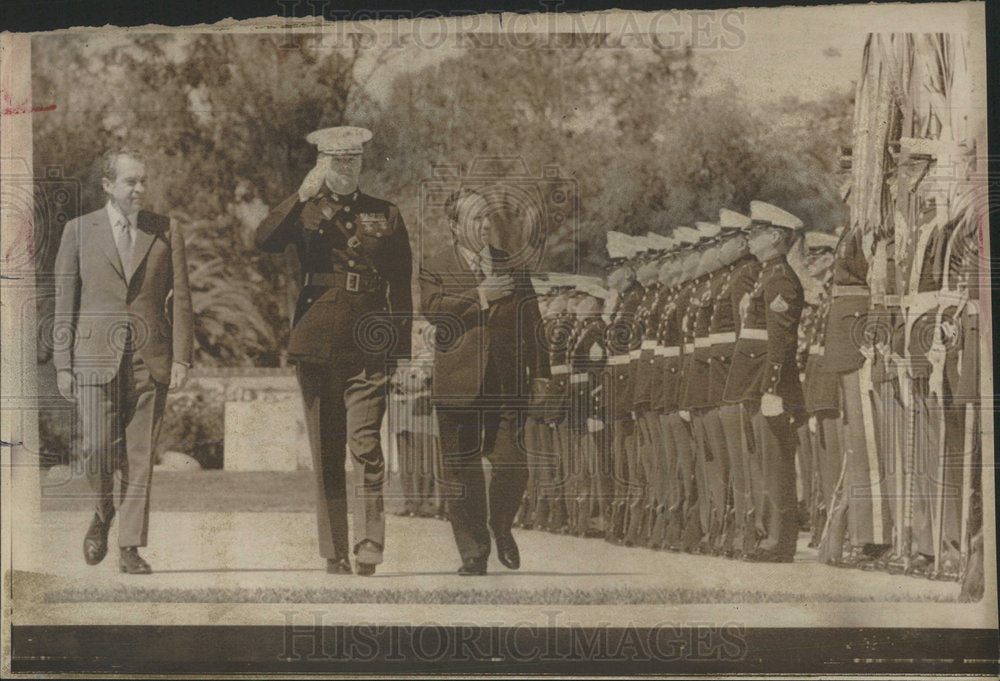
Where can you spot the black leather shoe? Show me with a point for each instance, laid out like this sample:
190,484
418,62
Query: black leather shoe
95,542
130,562
366,569
770,557
473,568
338,566
507,551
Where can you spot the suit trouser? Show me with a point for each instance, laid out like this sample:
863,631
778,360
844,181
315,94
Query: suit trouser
406,449
869,518
468,434
716,472
120,423
776,439
344,412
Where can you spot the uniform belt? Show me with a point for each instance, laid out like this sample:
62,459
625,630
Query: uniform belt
849,290
754,334
722,337
618,359
634,354
355,282
649,345
702,342
559,369
578,378
668,351
816,349
689,347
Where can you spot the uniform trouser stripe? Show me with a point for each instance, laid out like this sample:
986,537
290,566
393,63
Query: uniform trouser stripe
866,513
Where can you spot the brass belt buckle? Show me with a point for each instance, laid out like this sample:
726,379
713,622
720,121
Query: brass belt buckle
353,282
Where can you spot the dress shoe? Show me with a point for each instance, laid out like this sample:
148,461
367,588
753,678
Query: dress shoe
338,566
130,562
366,569
507,551
95,542
473,568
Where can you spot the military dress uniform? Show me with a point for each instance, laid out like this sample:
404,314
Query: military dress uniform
869,522
680,445
355,257
622,339
586,369
764,361
664,401
648,441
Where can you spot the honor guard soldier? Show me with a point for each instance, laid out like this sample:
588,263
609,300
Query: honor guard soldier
743,271
869,523
665,355
710,470
554,480
622,338
587,369
764,375
355,256
684,528
648,438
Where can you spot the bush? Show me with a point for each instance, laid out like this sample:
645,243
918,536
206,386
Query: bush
194,424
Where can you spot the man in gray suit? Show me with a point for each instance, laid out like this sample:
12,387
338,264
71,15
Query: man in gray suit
122,337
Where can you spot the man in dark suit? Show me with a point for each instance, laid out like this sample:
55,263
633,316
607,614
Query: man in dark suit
486,359
122,337
351,326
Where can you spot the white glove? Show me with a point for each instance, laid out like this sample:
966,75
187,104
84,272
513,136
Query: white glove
771,405
684,414
315,177
813,425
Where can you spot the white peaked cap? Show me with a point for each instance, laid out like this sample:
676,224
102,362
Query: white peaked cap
685,236
340,140
765,212
707,230
730,219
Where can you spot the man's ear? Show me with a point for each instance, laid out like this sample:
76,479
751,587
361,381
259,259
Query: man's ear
107,184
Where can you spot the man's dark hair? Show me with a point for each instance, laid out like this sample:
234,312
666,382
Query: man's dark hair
451,203
109,161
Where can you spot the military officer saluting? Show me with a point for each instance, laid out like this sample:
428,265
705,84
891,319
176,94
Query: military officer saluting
764,375
351,324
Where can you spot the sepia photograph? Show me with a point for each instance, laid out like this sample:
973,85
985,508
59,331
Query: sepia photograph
596,343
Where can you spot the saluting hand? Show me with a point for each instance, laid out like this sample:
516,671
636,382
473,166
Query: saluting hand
314,179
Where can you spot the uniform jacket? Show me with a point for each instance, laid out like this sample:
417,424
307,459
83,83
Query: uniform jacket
559,331
739,279
764,360
95,302
699,375
849,304
470,341
672,340
821,386
622,338
642,365
332,324
666,306
692,372
587,362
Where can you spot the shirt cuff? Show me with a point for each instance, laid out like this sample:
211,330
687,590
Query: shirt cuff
187,364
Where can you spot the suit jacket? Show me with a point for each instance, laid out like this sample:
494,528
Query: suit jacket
95,301
470,341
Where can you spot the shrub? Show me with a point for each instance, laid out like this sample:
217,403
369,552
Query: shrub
194,424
